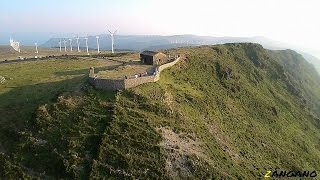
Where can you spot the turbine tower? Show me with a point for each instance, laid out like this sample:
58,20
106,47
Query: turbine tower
112,40
37,52
70,44
60,44
78,43
65,45
86,38
98,44
19,47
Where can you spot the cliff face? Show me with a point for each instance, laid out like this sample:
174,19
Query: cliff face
231,111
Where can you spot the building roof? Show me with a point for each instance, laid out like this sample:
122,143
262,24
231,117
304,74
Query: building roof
149,53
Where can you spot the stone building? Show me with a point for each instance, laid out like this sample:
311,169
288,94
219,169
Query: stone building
153,58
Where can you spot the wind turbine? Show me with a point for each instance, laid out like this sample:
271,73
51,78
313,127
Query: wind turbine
98,44
112,40
70,44
78,43
60,44
86,38
36,48
15,45
65,45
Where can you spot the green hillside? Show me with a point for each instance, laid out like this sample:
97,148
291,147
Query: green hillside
230,111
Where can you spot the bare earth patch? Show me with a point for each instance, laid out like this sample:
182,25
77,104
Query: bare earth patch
223,141
179,147
168,100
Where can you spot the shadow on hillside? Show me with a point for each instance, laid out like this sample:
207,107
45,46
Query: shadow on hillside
73,72
18,105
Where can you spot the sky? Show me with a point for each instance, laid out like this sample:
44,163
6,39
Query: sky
291,21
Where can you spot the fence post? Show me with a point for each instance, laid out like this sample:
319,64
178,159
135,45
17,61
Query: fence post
91,72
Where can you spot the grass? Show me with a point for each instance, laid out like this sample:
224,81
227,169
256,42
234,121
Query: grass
83,118
30,93
249,110
8,53
32,83
220,94
122,71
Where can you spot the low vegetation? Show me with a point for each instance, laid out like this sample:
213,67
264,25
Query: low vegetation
30,84
8,53
129,70
230,111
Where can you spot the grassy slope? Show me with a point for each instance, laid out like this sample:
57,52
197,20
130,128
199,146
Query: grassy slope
30,84
62,138
234,110
237,100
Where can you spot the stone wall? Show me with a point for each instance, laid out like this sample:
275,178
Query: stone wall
167,65
130,83
116,84
107,84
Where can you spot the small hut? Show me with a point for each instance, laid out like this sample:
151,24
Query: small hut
153,58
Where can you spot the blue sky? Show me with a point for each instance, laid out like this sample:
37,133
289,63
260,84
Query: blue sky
64,16
291,21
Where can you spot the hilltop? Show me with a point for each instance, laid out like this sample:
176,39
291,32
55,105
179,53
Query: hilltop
157,42
232,111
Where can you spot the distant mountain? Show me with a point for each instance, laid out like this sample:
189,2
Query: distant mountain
312,59
138,42
26,38
142,42
157,42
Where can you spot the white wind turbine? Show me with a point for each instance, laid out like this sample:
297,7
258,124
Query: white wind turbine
36,44
70,44
78,43
15,45
65,45
112,40
86,38
60,44
98,44
19,47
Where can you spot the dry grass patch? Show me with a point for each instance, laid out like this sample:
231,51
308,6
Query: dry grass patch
179,148
122,71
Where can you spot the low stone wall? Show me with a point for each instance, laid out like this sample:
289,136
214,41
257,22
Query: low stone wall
130,83
167,65
107,84
116,84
